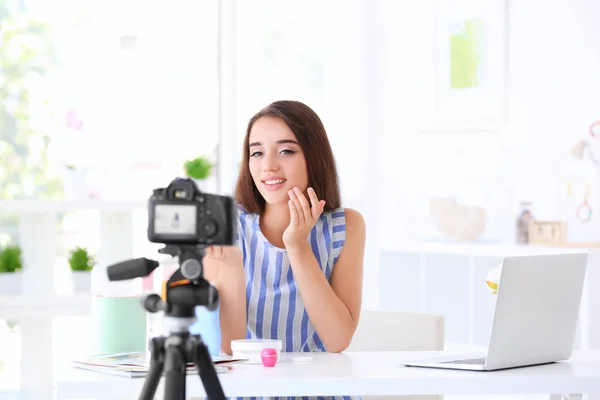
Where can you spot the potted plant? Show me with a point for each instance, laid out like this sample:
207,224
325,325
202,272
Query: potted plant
81,263
75,183
199,170
11,264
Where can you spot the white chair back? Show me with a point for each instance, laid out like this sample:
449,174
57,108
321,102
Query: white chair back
398,331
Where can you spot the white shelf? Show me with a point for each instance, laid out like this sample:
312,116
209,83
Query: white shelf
10,395
37,206
475,249
21,306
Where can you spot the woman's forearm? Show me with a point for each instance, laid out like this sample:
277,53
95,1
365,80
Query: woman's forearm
328,314
232,297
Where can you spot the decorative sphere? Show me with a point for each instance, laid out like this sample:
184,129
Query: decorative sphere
493,279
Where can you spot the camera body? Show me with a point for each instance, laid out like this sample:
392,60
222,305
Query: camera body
181,214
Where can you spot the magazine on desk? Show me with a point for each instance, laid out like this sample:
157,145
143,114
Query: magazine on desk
137,364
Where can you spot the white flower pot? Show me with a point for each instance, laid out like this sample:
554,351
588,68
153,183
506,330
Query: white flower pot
202,184
76,184
82,281
11,283
208,185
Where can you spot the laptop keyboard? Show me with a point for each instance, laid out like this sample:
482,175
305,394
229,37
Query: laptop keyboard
478,361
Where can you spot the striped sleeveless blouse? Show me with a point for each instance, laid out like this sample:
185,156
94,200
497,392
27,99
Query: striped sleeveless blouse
275,309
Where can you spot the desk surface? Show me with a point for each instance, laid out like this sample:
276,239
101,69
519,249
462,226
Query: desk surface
364,373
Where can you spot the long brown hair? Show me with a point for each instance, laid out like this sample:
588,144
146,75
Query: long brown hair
312,137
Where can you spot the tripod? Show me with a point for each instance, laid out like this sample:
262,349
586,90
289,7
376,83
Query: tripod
172,352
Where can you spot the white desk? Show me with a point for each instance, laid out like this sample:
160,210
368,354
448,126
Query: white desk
369,373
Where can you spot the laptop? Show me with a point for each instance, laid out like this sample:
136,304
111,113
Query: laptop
535,317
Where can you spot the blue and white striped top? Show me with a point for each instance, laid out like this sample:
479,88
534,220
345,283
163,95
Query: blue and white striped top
275,309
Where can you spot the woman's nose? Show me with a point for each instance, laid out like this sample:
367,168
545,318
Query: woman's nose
270,163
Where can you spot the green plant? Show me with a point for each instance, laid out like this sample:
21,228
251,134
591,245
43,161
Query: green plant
10,259
81,260
198,168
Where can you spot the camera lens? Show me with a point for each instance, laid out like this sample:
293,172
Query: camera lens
209,228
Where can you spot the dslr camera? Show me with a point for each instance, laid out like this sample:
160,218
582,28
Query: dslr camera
181,214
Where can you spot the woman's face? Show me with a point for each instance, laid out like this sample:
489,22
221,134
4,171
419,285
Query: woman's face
276,161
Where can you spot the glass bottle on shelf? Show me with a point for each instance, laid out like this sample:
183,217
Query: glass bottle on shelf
525,216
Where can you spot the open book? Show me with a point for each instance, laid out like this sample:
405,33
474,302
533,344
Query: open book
137,364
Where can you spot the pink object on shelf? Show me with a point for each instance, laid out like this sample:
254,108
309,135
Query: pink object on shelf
268,357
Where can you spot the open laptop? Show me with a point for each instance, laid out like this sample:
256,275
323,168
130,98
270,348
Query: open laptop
535,317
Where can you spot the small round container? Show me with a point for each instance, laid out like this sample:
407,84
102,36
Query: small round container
268,356
251,349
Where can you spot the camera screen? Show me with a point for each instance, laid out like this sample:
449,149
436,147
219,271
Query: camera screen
175,220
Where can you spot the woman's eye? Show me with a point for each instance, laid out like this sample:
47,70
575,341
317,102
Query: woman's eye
287,152
255,154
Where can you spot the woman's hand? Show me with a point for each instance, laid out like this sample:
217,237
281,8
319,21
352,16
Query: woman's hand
219,261
303,216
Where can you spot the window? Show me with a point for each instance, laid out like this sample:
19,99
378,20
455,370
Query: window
113,96
109,98
103,89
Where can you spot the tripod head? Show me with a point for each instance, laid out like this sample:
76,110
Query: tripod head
186,289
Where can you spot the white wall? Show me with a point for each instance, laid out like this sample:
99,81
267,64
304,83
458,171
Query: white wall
379,88
352,116
348,103
555,59
554,95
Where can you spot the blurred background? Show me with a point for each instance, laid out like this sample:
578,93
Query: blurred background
453,123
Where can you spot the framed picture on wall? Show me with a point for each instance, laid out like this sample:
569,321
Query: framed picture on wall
470,57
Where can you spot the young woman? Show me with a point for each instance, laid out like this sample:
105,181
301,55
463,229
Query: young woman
296,274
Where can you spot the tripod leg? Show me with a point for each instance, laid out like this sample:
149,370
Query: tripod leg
206,370
175,369
156,369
